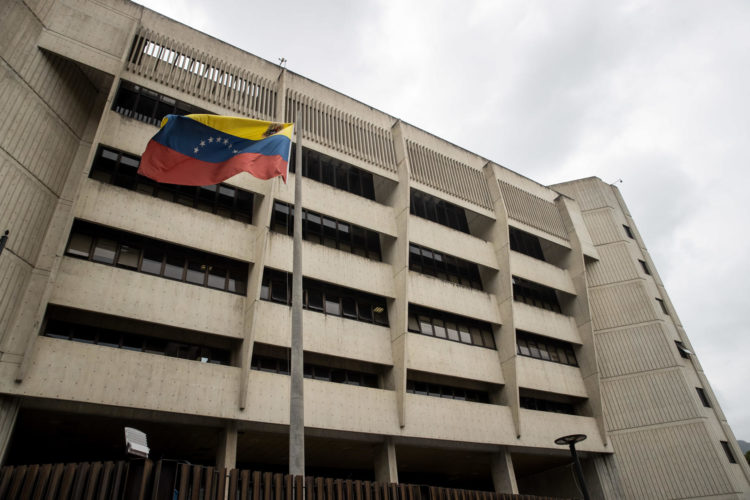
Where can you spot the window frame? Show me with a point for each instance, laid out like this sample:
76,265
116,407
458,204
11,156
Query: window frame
322,229
366,304
444,267
417,313
439,211
128,340
97,232
551,346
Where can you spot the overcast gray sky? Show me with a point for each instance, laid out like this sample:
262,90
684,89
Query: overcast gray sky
653,93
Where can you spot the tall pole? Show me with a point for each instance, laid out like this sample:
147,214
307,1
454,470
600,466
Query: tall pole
296,399
579,472
571,441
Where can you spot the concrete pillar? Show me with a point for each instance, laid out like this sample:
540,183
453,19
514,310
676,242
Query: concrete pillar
226,452
386,467
8,412
503,475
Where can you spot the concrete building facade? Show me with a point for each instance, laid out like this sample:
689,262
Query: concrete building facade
459,316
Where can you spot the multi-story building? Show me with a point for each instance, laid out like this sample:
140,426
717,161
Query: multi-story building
459,316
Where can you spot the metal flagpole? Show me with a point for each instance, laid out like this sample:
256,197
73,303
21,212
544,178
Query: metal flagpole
296,399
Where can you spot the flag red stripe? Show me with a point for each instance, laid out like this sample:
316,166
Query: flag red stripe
164,164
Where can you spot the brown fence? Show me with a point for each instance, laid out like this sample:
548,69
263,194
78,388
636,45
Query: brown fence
170,480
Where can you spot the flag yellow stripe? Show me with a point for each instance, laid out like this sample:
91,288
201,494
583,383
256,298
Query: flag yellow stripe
239,127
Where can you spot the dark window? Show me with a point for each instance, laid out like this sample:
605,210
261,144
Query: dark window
447,391
118,168
315,371
326,298
703,397
450,326
327,231
148,106
663,306
445,267
525,243
135,342
728,451
137,253
535,294
628,232
336,173
434,209
684,351
539,404
644,266
535,346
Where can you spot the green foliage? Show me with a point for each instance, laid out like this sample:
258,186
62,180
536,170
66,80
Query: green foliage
747,456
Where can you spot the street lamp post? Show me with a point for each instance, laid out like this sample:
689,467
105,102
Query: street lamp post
571,441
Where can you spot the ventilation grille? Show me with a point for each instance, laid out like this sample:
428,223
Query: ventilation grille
189,70
448,175
341,131
532,210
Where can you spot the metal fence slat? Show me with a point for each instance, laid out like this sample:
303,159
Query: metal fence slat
29,481
234,477
267,485
93,479
195,472
41,481
67,480
79,482
257,479
182,493
278,492
105,481
208,483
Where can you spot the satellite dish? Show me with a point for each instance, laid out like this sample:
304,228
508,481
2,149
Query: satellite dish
136,443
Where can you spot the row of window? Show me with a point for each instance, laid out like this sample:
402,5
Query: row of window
336,173
525,243
546,405
317,372
446,391
544,348
137,253
450,327
118,168
135,342
328,231
148,106
326,298
432,208
535,294
445,267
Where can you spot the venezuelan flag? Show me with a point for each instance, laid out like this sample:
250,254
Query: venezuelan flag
200,150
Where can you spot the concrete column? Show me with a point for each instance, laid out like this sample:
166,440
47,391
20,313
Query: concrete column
397,255
501,285
226,452
8,413
503,475
386,467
